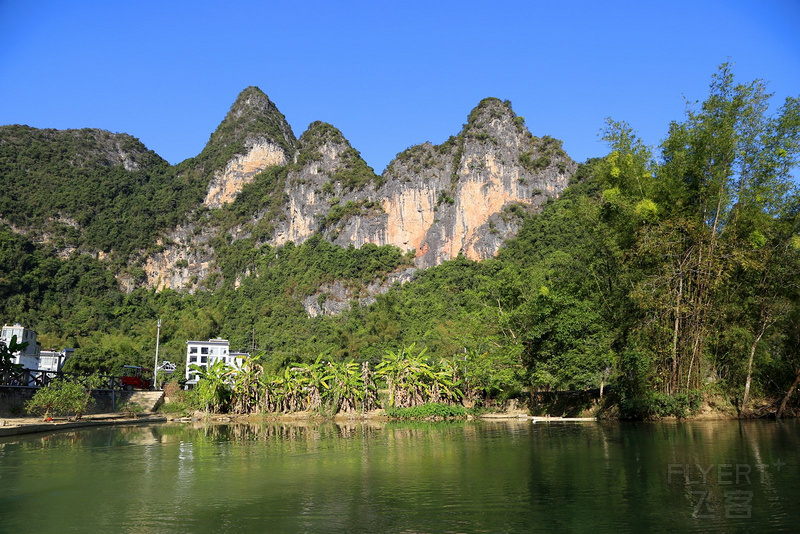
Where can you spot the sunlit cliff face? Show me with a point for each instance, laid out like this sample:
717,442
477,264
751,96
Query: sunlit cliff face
241,170
462,197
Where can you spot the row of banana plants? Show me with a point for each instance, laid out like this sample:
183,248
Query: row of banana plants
409,377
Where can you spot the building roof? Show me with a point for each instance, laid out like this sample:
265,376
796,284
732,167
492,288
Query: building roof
217,341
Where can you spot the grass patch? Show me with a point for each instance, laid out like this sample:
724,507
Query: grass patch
424,411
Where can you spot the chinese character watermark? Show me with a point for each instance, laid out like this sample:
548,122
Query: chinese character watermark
733,478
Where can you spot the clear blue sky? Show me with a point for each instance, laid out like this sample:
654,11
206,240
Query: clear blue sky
388,74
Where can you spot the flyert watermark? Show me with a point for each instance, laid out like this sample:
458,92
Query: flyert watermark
732,478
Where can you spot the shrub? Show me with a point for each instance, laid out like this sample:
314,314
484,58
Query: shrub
427,410
183,402
60,397
655,405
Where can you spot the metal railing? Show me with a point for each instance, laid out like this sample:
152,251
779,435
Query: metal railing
37,378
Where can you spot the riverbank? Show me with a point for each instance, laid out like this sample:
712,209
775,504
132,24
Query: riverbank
15,426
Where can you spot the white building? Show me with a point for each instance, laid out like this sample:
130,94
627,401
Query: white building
205,353
28,358
51,360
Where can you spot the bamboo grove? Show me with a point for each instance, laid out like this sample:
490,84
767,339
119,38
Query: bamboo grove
712,262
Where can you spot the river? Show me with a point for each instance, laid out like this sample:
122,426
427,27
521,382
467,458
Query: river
466,476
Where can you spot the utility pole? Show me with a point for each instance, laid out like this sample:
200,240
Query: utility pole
155,367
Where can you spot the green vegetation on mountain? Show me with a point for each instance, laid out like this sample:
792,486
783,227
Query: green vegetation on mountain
252,116
92,190
75,187
351,169
671,277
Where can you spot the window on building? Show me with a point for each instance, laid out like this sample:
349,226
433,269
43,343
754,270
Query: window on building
192,359
203,359
192,350
204,350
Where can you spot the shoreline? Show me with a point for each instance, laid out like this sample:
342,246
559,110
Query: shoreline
16,426
23,425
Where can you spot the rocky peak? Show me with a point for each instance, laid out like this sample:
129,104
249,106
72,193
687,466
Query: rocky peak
320,133
464,196
254,115
342,164
325,185
253,136
490,111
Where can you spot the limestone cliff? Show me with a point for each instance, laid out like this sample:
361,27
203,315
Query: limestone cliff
459,197
253,137
241,170
465,196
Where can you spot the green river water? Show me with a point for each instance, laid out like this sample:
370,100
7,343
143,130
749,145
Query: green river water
471,476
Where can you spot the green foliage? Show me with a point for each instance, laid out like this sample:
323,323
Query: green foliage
131,409
339,213
444,198
653,405
73,186
427,411
412,379
532,164
213,388
60,397
7,352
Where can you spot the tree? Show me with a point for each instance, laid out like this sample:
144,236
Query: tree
60,397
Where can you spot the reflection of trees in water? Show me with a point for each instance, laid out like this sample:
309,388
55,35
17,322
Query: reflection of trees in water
317,467
283,431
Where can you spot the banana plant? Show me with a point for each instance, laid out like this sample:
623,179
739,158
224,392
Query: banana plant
246,385
213,387
291,390
446,382
347,386
390,369
369,397
314,380
408,376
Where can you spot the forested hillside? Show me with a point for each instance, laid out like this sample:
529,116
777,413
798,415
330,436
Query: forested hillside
673,276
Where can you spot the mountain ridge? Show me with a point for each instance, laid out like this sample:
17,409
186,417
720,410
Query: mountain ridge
255,182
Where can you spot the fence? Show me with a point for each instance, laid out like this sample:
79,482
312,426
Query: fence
37,378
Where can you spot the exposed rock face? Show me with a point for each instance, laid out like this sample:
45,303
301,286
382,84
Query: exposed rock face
333,299
257,136
459,197
464,196
182,264
241,170
326,186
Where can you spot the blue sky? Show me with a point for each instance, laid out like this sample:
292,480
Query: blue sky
388,74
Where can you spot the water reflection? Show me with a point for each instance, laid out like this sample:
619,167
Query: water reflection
457,476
